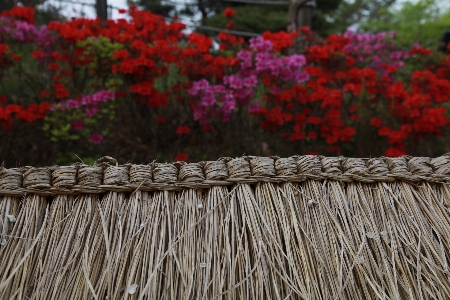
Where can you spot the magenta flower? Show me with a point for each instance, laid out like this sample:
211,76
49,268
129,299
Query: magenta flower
254,108
250,81
208,98
91,111
218,88
246,58
233,81
96,138
89,100
238,89
73,103
375,51
77,125
259,44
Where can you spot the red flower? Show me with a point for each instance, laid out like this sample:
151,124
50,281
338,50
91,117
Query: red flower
384,131
37,54
55,56
281,40
61,91
314,120
354,117
181,157
122,11
229,12
53,66
347,133
20,12
334,149
202,42
44,93
420,51
120,94
3,49
3,98
230,25
312,135
394,152
160,120
208,128
183,130
377,122
297,136
353,108
304,29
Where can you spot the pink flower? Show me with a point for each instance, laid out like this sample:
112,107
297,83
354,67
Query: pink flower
259,44
73,103
228,106
197,86
218,88
87,99
246,58
77,125
91,111
250,81
233,81
96,138
208,98
103,96
254,108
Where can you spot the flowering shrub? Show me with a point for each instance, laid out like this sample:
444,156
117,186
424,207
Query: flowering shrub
256,65
139,85
375,51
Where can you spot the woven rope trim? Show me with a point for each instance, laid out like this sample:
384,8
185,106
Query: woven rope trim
104,177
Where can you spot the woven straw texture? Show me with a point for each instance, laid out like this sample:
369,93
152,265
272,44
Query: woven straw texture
303,227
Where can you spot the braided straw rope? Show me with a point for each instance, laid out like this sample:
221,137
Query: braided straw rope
237,228
105,177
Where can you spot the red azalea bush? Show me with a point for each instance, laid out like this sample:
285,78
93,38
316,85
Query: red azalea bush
140,86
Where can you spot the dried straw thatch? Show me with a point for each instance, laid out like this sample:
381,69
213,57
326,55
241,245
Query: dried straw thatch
303,227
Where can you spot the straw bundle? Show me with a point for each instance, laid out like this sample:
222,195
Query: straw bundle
302,227
10,179
20,258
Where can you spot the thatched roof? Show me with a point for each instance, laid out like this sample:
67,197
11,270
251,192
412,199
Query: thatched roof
303,227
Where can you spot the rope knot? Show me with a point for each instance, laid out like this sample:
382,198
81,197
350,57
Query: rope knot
37,178
64,177
262,166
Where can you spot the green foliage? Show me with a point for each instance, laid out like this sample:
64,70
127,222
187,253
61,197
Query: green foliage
58,128
326,6
353,12
420,22
156,6
98,70
260,18
254,18
101,46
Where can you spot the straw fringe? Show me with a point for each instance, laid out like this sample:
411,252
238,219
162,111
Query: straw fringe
21,255
65,239
344,233
9,209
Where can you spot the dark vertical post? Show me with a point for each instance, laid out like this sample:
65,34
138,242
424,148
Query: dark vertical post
6,4
102,9
305,14
300,14
445,41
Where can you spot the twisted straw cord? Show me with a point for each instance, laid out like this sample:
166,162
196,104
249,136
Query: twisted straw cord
107,176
